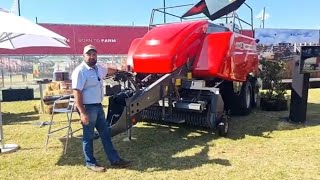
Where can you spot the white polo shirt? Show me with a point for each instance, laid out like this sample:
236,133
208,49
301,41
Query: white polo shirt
86,79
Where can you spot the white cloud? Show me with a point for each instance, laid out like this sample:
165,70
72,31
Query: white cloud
260,15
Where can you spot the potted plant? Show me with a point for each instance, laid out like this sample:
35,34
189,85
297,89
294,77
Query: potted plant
274,98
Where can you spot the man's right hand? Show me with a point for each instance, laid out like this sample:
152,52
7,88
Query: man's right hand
84,118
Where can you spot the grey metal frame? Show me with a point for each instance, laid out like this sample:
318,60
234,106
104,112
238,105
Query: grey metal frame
234,17
69,111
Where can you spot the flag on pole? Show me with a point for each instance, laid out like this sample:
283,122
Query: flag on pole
214,9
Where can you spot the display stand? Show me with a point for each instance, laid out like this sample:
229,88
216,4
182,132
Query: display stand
308,62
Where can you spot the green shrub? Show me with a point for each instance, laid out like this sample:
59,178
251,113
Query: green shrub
272,73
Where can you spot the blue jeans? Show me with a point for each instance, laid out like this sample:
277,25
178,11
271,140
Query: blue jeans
97,120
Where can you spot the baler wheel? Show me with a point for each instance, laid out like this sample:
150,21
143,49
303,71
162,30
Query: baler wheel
223,126
245,99
255,92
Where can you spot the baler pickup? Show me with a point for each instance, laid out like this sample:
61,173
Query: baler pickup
144,98
160,101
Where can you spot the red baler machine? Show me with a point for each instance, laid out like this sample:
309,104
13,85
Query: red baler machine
193,71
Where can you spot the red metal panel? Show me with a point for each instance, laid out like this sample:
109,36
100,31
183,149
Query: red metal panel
244,59
247,32
214,60
107,39
227,55
165,48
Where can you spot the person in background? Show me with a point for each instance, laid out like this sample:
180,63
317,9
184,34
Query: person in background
87,85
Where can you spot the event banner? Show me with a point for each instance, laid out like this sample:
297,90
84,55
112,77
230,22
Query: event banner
279,44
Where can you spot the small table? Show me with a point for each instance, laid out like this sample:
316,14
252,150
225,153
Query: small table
42,82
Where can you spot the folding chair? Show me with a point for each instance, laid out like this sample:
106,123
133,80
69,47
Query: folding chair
68,110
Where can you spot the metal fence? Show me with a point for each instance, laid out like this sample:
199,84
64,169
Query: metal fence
18,72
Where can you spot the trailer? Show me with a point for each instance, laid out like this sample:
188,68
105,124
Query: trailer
192,71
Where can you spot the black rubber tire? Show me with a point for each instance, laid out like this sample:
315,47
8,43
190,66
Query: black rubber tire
241,104
245,101
237,103
255,92
226,91
223,126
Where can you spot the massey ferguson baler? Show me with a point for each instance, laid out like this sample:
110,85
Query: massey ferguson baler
192,72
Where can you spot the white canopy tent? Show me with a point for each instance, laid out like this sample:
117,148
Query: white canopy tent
18,32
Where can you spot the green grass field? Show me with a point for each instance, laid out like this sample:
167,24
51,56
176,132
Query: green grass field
259,146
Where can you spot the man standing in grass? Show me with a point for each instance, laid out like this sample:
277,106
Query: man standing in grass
87,85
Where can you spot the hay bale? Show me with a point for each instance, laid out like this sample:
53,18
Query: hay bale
48,93
48,88
55,85
62,104
66,92
65,84
48,107
57,88
59,92
53,93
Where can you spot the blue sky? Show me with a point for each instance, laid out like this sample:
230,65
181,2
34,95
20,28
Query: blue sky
281,13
